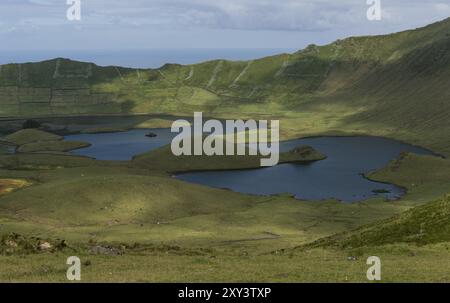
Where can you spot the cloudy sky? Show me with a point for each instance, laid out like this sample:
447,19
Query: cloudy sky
145,24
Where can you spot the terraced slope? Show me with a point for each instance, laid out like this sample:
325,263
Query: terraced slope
394,85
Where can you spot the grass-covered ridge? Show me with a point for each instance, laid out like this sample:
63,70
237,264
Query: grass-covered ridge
394,85
35,140
425,224
29,136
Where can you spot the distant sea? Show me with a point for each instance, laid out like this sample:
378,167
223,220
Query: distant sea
151,58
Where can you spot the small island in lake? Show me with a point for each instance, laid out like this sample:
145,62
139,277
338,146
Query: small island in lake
151,135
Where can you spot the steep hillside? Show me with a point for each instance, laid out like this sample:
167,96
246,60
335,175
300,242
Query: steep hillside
426,224
394,85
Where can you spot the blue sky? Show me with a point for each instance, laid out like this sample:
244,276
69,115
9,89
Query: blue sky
145,24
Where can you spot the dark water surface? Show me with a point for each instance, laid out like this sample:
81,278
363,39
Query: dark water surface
339,176
121,145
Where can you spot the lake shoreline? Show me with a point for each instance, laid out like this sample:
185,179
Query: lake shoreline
175,116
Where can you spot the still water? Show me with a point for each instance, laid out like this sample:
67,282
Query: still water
339,176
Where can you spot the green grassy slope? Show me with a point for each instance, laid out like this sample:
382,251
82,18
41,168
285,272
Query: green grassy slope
27,136
216,234
394,85
425,224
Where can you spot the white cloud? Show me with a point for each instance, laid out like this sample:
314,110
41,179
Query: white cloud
143,18
443,8
42,2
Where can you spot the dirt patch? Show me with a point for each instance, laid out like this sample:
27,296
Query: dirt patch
9,185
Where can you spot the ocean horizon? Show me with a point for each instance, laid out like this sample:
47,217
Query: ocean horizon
148,58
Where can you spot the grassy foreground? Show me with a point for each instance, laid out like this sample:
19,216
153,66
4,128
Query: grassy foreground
133,222
130,221
399,263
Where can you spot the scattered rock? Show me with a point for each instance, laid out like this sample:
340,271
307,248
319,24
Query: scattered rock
44,245
45,269
61,245
87,263
279,251
11,243
352,258
102,250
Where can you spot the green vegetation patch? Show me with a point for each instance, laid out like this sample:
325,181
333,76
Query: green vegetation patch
156,123
25,136
425,177
55,146
163,159
99,130
34,140
425,224
301,154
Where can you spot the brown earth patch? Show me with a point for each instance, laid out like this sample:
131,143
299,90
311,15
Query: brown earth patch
9,185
